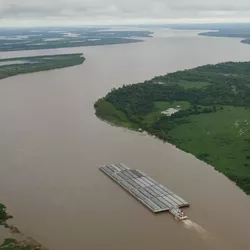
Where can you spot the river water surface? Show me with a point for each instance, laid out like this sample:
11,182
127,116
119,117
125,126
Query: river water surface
52,143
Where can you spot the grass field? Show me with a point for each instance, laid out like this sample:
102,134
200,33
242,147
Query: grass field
162,106
189,84
222,139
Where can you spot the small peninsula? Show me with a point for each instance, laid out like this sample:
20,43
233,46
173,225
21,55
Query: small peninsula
243,34
22,65
230,30
204,111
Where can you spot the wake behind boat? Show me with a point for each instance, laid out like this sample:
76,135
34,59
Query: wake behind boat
156,197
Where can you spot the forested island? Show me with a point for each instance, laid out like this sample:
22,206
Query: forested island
234,30
204,111
65,37
238,33
22,65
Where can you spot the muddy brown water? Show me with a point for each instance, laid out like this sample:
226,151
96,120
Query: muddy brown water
52,143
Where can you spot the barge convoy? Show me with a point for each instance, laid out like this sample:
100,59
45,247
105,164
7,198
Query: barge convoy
156,197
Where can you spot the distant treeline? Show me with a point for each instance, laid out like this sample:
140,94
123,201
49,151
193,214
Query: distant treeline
49,38
39,63
236,33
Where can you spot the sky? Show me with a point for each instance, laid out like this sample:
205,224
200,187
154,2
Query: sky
98,12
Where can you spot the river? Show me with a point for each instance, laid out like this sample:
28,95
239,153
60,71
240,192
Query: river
52,143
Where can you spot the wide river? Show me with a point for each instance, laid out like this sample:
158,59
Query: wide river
52,143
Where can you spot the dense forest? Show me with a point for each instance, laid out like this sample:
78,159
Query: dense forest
213,99
22,65
3,214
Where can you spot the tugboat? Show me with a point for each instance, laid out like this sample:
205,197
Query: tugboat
178,213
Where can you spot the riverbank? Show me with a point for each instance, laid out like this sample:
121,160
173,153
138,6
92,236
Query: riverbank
24,65
213,115
16,240
244,35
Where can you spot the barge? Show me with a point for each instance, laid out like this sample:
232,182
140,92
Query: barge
156,197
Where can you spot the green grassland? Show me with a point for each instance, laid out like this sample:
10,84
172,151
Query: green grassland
163,106
213,118
38,63
221,139
190,84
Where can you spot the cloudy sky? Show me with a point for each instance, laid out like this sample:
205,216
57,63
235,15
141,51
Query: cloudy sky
68,12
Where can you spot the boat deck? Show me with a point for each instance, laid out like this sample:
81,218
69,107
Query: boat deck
149,192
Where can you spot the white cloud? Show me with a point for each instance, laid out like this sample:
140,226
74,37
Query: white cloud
63,12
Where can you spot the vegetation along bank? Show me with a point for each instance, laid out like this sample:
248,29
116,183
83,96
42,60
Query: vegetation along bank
204,111
23,65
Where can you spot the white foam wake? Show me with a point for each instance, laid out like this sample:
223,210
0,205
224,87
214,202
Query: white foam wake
192,225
